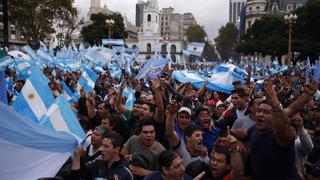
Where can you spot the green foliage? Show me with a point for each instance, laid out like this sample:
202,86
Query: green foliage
209,52
266,36
195,33
306,36
226,41
98,30
36,17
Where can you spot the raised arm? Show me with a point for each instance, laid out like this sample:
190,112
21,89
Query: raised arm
201,91
237,171
298,104
173,137
159,115
90,105
280,122
121,108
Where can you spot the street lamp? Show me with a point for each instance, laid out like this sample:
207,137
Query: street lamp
109,23
290,20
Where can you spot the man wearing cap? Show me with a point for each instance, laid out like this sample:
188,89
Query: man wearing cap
183,120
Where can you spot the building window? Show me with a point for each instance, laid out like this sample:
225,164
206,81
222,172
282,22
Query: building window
149,17
166,23
289,7
250,8
166,18
249,24
163,49
258,8
149,48
173,49
156,18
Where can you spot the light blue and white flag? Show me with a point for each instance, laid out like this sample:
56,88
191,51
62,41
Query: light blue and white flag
317,71
3,87
19,55
68,94
29,150
61,118
195,49
44,55
5,61
35,97
42,45
23,68
308,69
29,50
90,78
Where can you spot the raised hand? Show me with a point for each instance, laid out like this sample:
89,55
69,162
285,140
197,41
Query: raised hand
123,86
271,95
173,107
155,84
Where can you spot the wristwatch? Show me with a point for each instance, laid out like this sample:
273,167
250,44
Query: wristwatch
278,109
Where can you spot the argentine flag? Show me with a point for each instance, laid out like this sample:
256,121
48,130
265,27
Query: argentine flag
35,97
29,150
5,61
61,118
195,49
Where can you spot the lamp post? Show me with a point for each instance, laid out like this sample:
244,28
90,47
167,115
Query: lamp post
290,20
109,23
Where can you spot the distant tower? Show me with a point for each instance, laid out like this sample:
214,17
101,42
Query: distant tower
255,9
95,4
149,36
154,4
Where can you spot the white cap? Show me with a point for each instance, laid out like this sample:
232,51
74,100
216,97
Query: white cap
185,109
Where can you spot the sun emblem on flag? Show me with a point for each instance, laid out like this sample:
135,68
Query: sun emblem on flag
31,95
194,48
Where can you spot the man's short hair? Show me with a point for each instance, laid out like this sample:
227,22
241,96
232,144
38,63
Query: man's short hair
147,122
225,152
198,111
240,92
166,158
191,129
151,106
101,130
116,139
138,101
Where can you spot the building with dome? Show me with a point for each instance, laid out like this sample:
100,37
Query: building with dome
255,9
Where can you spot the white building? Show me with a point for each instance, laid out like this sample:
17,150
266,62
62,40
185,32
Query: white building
150,39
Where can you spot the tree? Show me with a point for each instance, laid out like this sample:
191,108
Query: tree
209,52
36,17
306,36
98,30
266,36
226,41
195,33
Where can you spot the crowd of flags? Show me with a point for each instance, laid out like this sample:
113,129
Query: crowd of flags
51,122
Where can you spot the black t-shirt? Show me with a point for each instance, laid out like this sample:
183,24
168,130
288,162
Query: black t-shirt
268,159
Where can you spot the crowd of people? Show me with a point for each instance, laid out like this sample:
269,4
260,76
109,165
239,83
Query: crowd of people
175,131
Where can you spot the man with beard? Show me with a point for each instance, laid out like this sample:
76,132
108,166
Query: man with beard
113,165
271,140
190,150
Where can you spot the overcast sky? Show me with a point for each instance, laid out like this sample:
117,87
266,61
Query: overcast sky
211,14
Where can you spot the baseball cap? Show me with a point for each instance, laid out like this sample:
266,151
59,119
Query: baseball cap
185,109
